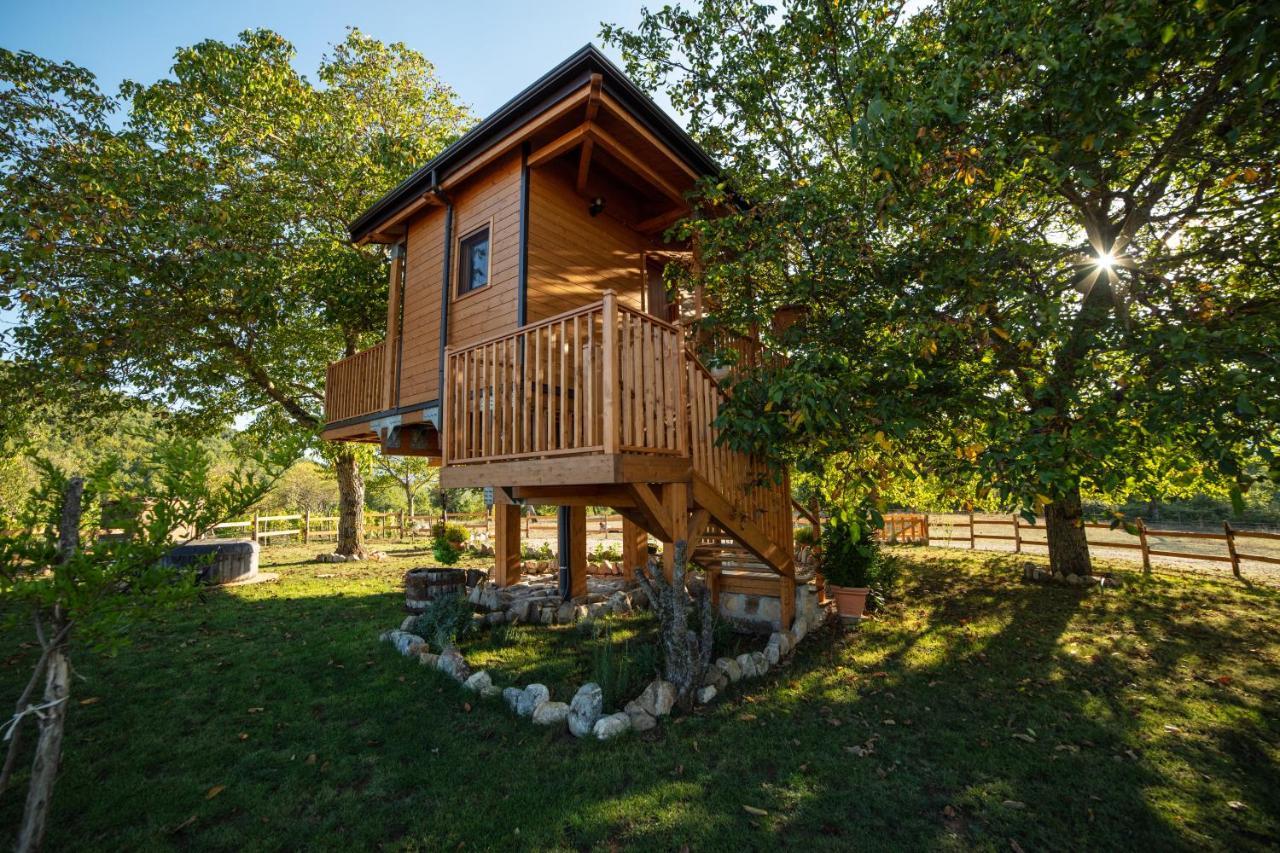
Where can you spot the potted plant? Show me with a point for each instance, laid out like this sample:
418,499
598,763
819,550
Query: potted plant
851,564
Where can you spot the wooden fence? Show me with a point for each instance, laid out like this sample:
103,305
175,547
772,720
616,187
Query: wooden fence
914,528
305,527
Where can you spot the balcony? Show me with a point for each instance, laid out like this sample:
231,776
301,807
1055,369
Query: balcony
354,387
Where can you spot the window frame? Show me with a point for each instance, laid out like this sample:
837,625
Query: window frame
461,269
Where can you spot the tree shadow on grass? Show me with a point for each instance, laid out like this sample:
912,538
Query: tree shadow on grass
324,738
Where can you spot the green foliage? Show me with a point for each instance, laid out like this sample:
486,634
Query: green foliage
452,532
621,668
444,621
606,551
805,535
542,552
445,552
850,554
938,191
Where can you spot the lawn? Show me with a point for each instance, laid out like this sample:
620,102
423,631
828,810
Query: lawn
976,712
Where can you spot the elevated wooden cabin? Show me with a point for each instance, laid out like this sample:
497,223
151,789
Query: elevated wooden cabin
532,347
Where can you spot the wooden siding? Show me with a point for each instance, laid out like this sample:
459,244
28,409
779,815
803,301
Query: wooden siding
575,257
493,194
420,361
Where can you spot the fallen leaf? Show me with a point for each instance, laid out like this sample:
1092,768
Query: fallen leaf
244,736
755,811
1236,805
311,759
256,710
1013,804
1021,736
1224,679
214,791
91,700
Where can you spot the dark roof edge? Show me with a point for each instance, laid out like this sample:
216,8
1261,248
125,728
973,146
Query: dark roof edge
556,84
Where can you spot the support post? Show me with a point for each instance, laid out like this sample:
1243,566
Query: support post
401,524
1231,549
306,526
506,544
925,516
635,547
1017,535
1146,551
972,532
675,500
255,527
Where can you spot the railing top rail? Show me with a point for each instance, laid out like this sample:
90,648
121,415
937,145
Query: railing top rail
357,355
657,321
550,321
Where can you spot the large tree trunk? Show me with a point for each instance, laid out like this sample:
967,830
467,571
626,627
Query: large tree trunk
1064,524
350,506
44,768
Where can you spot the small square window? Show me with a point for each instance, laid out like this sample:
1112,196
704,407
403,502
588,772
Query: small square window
473,261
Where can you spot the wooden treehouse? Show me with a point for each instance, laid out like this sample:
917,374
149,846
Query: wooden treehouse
532,347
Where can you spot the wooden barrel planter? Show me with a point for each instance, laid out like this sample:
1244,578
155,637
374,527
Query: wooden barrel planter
423,586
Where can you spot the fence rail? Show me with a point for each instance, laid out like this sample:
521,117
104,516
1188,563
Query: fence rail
305,527
915,528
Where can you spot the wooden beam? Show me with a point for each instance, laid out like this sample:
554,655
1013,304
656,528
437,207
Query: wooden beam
506,544
572,496
698,522
635,546
593,95
584,164
662,221
653,509
675,501
607,141
560,145
624,115
744,530
577,551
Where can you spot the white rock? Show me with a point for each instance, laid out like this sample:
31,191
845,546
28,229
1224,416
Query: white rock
491,691
551,714
761,662
641,720
658,698
706,694
511,695
531,697
747,665
478,681
403,640
453,664
408,622
564,613
585,709
772,653
730,668
611,726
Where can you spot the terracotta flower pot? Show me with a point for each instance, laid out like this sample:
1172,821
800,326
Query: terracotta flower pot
851,601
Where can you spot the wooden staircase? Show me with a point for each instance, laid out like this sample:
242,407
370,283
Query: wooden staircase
605,405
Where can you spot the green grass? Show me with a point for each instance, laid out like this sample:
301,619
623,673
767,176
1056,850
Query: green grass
1145,712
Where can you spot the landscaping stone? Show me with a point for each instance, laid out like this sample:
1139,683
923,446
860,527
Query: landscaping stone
417,649
706,694
428,659
408,622
619,603
585,709
453,664
403,640
547,616
641,720
564,613
730,667
478,681
612,726
580,612
761,662
747,665
798,630
551,714
658,698
773,653
511,695
532,696
597,610
491,691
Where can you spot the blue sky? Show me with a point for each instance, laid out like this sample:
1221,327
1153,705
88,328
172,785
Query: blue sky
488,51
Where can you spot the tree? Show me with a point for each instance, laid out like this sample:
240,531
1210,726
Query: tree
1036,241
82,590
411,473
199,254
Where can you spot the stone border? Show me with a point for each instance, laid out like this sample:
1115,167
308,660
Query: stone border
1039,574
584,713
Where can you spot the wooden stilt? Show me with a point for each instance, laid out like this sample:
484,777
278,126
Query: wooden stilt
635,547
675,500
577,551
506,544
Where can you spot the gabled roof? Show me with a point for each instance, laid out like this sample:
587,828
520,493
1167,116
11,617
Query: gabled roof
561,81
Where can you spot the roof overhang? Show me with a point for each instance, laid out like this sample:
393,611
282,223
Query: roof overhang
585,75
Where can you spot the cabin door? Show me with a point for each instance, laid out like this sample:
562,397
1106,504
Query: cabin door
655,290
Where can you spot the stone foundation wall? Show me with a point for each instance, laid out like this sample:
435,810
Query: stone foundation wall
762,614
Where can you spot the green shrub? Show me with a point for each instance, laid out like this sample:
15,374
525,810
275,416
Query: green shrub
455,534
806,536
851,557
444,621
604,552
445,552
622,669
542,552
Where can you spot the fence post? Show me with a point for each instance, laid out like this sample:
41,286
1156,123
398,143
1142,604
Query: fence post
926,528
401,524
972,532
1017,535
1231,549
1146,552
255,527
306,526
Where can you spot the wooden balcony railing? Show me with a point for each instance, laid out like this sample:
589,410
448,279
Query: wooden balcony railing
602,378
744,480
354,385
